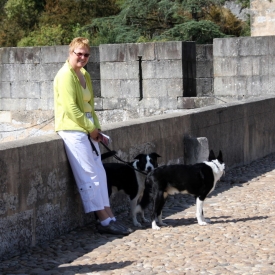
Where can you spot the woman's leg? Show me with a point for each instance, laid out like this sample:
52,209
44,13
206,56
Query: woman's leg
89,177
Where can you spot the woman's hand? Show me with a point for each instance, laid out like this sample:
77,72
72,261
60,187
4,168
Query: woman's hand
94,135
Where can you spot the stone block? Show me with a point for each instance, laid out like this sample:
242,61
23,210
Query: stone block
145,50
49,71
267,84
46,89
271,43
94,70
7,72
94,57
225,47
134,104
185,103
54,54
168,103
229,86
204,101
226,66
129,88
253,46
204,53
162,69
5,91
25,72
96,88
113,103
33,104
4,55
265,65
254,86
112,52
151,103
204,69
162,87
25,89
119,70
196,150
204,86
170,50
271,65
98,102
110,88
25,55
50,104
271,81
11,104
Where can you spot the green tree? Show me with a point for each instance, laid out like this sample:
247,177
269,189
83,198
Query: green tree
45,36
24,22
68,16
23,12
202,32
154,20
18,18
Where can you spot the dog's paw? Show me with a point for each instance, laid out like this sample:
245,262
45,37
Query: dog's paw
202,223
145,220
154,226
137,224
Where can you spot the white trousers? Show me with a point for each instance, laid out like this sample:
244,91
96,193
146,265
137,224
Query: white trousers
88,170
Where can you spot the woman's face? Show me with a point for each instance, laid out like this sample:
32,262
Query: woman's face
79,57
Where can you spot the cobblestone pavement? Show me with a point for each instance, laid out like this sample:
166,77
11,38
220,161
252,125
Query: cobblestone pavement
240,239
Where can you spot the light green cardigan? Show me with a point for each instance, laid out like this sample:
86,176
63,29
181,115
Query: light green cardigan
68,101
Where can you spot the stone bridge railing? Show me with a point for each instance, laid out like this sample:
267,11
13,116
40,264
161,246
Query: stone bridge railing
38,198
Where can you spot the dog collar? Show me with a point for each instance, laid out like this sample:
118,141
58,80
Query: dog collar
216,165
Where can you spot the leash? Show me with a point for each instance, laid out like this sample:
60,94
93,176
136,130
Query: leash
93,146
121,160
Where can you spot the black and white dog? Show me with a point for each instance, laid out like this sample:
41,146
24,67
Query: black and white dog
198,180
130,178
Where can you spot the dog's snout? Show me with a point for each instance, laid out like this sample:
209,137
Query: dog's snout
149,169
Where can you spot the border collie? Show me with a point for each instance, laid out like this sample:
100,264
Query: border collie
127,178
198,180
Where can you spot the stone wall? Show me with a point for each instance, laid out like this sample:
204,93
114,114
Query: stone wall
125,88
244,67
38,198
262,17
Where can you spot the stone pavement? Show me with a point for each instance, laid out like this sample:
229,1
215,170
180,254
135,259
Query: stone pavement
240,239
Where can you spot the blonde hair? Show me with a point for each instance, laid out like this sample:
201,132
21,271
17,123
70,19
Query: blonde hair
79,42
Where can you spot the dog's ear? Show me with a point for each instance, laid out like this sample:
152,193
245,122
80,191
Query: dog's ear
220,158
138,156
211,155
155,155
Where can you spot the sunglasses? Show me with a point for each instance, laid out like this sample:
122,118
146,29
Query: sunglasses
82,54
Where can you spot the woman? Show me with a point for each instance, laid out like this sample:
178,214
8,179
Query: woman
77,124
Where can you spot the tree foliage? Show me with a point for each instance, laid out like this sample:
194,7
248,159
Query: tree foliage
29,19
56,22
154,20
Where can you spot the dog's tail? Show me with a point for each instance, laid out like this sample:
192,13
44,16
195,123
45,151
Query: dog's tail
146,198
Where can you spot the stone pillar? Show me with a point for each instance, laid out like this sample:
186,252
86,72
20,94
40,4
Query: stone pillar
196,150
